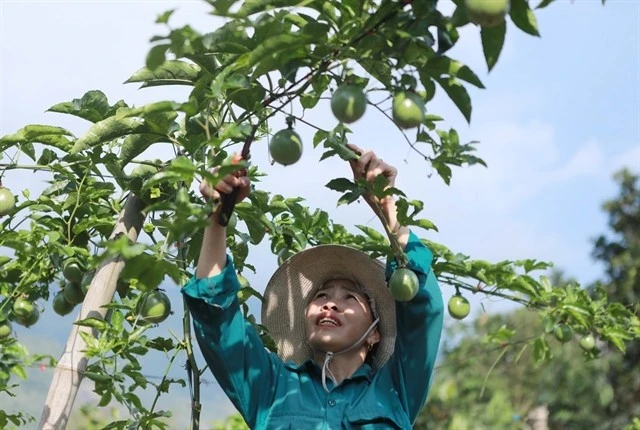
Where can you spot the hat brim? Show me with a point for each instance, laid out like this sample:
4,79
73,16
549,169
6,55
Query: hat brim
292,285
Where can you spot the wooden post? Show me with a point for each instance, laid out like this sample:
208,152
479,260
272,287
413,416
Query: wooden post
538,418
70,369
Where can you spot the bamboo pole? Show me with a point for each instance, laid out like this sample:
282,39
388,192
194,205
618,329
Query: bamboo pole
73,362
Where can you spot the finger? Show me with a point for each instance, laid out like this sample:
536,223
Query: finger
355,148
224,187
208,192
365,160
232,181
374,171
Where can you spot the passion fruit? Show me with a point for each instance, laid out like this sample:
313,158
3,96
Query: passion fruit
348,103
403,284
408,110
563,332
73,293
154,307
60,305
286,147
7,201
587,342
458,307
72,272
5,329
487,13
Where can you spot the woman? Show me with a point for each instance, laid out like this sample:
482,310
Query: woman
349,356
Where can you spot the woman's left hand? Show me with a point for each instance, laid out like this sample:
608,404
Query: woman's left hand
368,166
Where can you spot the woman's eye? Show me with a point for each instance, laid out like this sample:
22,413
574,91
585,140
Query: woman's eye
320,295
351,296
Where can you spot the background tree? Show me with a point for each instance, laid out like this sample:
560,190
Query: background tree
619,251
490,378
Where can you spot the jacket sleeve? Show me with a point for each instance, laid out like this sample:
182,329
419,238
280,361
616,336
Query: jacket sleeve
232,348
419,326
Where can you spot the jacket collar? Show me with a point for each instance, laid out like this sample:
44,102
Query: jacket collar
310,367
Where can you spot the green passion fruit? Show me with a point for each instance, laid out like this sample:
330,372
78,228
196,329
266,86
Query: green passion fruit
458,307
487,13
408,110
73,293
23,307
154,307
5,329
286,147
60,305
348,103
587,342
72,272
403,284
563,332
7,201
25,312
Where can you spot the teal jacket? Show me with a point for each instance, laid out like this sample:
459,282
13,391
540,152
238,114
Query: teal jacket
272,394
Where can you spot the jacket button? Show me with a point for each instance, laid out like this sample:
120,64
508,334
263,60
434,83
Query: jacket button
332,402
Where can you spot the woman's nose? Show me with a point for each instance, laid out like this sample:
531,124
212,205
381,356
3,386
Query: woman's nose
330,306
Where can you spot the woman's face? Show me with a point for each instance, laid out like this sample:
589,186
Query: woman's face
337,316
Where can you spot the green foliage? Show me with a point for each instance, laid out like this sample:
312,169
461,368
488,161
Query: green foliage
498,360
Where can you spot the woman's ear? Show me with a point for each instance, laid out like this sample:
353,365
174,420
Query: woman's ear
374,337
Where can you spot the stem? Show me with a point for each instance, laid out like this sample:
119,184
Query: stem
412,145
75,208
484,383
401,259
192,366
456,283
164,378
308,123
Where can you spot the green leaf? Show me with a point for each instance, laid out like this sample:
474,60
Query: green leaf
319,136
171,72
92,106
98,323
135,145
163,18
541,350
156,56
349,197
492,43
107,130
426,224
33,132
458,94
545,3
444,65
523,17
372,233
341,185
249,7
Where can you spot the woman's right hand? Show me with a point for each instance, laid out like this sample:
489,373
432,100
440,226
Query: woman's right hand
227,184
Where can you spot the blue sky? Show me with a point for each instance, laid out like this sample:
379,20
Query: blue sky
560,114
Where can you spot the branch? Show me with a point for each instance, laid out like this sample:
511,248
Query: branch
412,145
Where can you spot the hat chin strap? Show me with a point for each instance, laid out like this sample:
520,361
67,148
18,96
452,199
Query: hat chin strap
329,355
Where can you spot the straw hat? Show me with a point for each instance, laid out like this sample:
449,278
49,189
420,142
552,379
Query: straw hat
294,283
